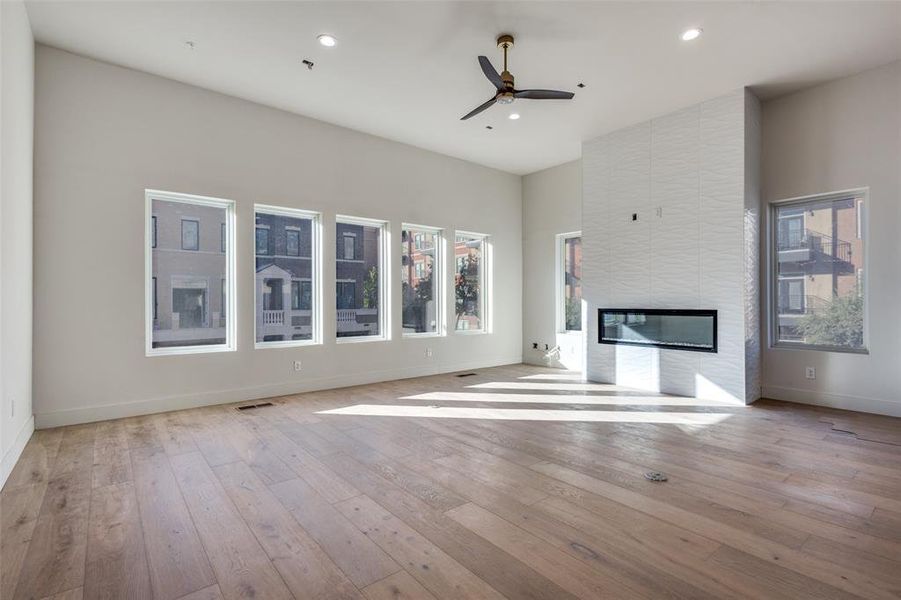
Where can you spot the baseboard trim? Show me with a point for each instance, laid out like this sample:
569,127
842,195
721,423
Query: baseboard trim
11,457
840,401
91,414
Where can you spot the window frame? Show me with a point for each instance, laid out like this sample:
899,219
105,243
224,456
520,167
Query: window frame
230,344
315,273
772,265
560,284
485,278
439,275
384,266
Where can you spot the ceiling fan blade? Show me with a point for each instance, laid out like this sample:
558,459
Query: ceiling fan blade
491,73
479,109
543,94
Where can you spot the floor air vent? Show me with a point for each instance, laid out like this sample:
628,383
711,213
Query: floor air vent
249,406
466,375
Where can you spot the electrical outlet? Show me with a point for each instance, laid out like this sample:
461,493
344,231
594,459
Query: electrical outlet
534,345
810,372
428,352
297,365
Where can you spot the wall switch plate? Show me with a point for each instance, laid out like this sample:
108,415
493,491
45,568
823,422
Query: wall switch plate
810,372
297,365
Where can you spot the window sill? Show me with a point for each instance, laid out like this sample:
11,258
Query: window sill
361,339
180,350
424,334
814,348
286,344
471,331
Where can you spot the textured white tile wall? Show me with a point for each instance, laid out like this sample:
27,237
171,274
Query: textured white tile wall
688,177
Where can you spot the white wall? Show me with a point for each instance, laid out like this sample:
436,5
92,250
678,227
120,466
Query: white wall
842,135
694,244
551,205
106,133
16,139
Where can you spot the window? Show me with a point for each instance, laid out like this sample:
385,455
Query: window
287,275
421,280
292,242
350,241
470,279
360,279
569,282
262,241
301,295
223,290
190,234
346,294
817,272
184,313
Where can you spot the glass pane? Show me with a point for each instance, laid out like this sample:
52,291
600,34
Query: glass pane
819,273
357,281
189,306
419,282
262,242
468,257
190,234
284,246
572,283
292,242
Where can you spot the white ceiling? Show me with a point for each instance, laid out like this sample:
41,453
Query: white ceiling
407,71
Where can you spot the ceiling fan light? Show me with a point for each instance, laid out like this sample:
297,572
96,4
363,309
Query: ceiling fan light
513,116
691,34
327,40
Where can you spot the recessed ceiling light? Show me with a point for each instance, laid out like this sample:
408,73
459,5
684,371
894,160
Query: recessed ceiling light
691,34
327,40
513,116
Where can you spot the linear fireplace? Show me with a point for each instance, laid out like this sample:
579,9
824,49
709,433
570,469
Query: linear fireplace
693,330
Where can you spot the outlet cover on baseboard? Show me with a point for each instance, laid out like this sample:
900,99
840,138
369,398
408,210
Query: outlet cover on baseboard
810,373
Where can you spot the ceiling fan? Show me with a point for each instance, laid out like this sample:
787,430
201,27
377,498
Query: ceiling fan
506,93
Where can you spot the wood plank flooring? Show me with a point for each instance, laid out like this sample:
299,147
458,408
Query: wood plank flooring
518,482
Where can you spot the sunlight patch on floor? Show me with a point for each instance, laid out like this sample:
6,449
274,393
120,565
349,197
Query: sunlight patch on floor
527,414
563,376
539,385
567,399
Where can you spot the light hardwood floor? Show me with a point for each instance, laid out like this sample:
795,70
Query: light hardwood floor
517,482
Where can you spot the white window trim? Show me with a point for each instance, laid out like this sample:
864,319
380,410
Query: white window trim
485,280
560,283
772,265
439,274
384,265
315,272
230,344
